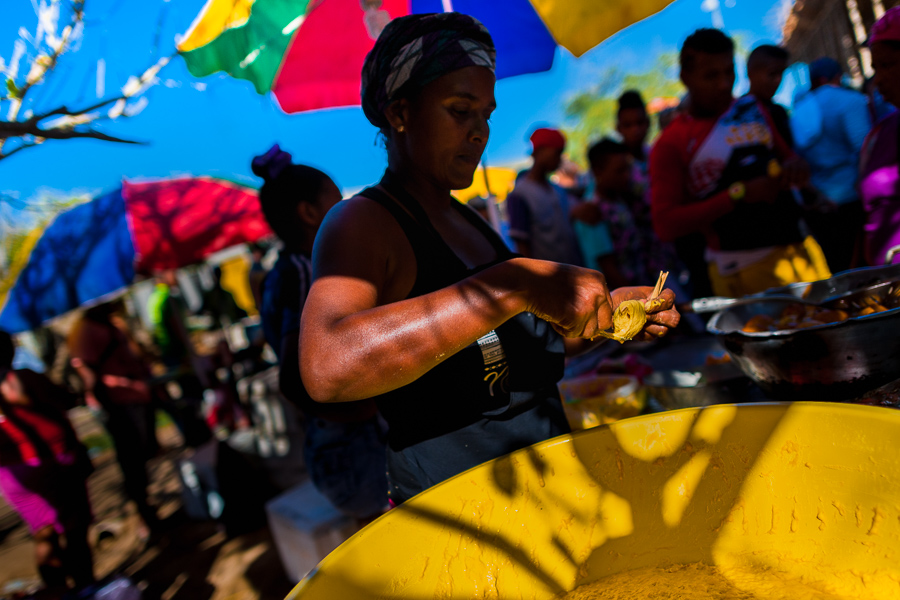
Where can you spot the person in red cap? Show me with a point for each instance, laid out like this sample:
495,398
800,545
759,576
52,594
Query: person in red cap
539,220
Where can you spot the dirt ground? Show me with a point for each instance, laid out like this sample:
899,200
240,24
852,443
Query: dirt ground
188,560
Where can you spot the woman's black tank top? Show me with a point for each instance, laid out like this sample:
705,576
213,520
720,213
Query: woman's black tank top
496,395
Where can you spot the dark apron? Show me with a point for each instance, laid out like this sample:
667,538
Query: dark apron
495,396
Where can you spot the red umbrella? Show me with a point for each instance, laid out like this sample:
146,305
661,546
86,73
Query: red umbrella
179,222
100,247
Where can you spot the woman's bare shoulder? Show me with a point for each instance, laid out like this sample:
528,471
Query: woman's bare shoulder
359,236
360,213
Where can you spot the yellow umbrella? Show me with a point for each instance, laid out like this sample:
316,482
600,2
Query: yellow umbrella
579,25
498,181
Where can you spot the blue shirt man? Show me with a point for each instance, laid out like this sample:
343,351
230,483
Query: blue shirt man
830,124
833,122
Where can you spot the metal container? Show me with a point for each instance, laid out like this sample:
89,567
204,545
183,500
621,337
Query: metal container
682,378
717,384
836,361
842,283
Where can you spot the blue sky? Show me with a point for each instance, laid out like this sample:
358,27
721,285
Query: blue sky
214,126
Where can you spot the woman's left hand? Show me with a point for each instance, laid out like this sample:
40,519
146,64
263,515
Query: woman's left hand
661,312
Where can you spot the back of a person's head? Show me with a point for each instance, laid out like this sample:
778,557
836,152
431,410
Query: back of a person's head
7,350
824,69
704,41
286,185
630,100
767,53
599,153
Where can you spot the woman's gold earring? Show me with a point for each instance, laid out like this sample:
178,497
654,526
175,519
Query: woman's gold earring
401,129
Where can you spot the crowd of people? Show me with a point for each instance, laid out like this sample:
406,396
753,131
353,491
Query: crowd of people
415,341
122,378
735,193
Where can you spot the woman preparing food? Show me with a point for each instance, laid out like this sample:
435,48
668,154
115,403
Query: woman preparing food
417,302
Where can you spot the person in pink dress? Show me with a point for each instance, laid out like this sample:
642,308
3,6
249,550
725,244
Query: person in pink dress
878,181
43,472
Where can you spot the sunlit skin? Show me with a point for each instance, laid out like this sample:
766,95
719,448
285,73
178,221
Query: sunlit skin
886,62
765,77
360,336
633,125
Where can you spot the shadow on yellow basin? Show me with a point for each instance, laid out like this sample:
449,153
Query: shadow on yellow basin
803,492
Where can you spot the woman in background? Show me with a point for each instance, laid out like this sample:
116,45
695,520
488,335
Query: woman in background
344,443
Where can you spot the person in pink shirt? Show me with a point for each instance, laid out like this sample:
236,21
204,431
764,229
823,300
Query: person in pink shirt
43,472
878,179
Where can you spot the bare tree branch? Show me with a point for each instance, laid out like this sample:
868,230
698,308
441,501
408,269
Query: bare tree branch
17,149
38,71
64,110
69,124
62,134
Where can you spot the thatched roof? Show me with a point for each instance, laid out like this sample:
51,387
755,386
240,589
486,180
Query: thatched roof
835,28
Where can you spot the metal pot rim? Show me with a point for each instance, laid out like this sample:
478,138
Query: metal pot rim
712,326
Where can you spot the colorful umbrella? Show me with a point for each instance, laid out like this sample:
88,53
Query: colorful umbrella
98,248
309,53
497,182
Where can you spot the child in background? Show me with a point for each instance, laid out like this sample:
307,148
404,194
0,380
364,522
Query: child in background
633,125
621,245
765,69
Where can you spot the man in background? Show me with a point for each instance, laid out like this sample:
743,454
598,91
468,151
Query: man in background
539,209
711,173
830,124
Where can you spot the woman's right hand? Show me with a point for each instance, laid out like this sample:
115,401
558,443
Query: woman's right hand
575,301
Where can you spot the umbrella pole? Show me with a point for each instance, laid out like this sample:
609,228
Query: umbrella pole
487,185
491,201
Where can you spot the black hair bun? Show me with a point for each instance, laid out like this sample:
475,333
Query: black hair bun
271,164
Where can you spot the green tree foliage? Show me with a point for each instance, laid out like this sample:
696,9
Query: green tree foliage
591,114
21,225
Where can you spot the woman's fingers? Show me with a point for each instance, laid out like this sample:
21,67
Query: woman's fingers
667,318
663,302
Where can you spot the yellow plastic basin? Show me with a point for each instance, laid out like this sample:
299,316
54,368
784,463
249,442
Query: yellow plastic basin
800,496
